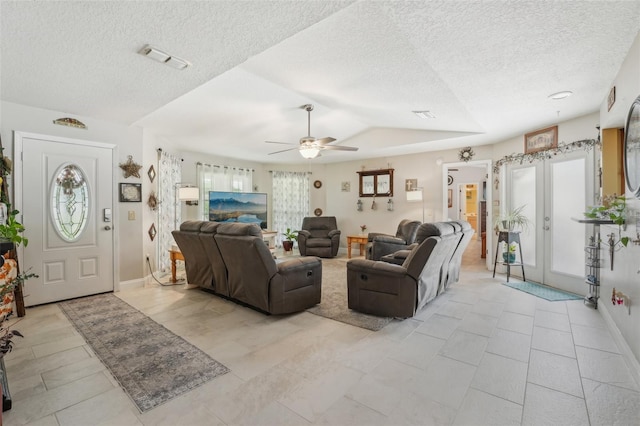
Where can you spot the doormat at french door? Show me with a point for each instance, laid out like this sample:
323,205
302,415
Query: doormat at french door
543,291
151,363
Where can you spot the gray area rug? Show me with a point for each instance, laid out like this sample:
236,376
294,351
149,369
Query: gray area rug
334,303
152,364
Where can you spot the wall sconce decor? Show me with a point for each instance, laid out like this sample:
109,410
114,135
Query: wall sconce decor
359,205
151,173
390,205
152,231
374,205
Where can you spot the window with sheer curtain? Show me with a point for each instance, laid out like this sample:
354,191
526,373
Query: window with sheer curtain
169,174
290,201
221,178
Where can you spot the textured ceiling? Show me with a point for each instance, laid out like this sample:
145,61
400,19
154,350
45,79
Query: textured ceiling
484,69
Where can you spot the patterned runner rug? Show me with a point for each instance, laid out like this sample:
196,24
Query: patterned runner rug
334,303
543,291
152,364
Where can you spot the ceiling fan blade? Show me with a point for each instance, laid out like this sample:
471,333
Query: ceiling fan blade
280,143
324,141
339,147
284,150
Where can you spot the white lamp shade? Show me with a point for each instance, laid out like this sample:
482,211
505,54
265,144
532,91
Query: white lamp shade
414,195
188,193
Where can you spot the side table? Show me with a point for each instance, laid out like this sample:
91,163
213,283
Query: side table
173,256
508,237
358,239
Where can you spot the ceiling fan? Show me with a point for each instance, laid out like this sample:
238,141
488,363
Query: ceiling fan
310,147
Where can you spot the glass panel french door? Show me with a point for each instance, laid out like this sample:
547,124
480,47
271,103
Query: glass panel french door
554,191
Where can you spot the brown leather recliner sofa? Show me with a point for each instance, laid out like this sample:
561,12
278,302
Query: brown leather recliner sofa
450,272
251,275
379,244
386,289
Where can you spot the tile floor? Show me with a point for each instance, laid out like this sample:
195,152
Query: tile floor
481,354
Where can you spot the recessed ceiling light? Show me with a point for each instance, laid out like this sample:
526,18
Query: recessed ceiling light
161,56
424,114
560,95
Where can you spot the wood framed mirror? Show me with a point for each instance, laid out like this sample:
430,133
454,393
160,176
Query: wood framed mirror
376,183
632,149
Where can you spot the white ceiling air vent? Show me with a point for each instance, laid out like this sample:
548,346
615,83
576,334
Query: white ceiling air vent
424,114
160,56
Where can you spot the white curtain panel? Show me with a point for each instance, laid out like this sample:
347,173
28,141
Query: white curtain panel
212,177
290,199
169,174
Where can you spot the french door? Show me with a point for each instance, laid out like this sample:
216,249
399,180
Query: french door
553,192
64,189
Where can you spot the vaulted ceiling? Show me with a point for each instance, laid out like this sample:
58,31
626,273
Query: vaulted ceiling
483,69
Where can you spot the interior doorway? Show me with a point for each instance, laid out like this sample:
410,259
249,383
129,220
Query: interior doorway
455,178
469,206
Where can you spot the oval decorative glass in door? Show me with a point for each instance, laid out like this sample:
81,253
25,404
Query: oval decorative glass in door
69,202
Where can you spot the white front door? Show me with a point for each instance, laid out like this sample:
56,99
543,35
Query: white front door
66,196
554,191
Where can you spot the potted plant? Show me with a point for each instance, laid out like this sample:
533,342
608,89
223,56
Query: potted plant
10,233
614,209
290,237
512,220
509,255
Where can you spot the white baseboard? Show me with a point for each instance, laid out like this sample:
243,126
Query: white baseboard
131,284
632,361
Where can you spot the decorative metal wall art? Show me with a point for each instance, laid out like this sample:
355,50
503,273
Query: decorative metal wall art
130,168
466,154
153,202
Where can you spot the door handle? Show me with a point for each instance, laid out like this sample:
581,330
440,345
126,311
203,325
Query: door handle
107,228
546,228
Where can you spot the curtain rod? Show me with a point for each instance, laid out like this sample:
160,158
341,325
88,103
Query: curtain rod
271,171
226,167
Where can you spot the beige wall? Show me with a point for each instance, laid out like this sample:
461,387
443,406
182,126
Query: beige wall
624,277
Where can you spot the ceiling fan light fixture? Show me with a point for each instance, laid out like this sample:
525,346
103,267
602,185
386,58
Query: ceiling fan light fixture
309,152
560,95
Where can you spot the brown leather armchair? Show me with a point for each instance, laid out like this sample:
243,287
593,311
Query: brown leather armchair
319,236
383,244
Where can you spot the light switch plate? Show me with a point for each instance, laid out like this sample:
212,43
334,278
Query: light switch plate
132,215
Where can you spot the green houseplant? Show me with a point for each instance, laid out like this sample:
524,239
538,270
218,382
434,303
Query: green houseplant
613,208
290,236
11,232
512,220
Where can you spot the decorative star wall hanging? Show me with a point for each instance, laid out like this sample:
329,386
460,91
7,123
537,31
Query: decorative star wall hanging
130,168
